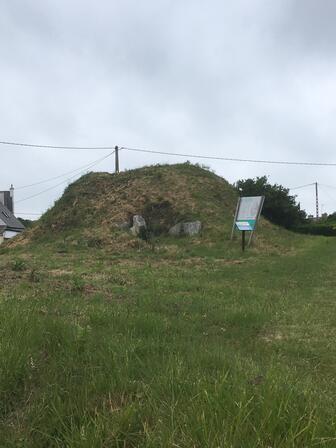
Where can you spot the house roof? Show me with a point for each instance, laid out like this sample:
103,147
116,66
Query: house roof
8,220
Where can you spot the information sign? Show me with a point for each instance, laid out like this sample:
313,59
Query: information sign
247,214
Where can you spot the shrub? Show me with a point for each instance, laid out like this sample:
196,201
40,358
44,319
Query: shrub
279,206
18,265
317,229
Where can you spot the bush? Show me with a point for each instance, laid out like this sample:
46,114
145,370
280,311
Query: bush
18,265
279,206
317,229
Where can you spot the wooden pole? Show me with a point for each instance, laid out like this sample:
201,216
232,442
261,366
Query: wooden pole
243,240
317,201
116,153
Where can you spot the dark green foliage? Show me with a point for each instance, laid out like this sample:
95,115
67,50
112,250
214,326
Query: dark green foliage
34,276
279,206
317,228
18,265
95,242
144,234
331,218
326,225
77,284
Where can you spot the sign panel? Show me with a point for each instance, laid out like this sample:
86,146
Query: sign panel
248,212
244,225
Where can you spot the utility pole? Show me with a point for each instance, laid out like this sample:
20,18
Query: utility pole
317,201
116,153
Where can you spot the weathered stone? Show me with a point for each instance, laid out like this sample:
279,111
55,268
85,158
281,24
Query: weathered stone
192,228
176,230
123,225
139,225
186,228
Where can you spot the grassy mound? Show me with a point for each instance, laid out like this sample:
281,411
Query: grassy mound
165,195
91,210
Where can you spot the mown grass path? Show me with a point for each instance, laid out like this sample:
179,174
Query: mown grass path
150,351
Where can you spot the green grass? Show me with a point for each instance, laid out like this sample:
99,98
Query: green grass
186,345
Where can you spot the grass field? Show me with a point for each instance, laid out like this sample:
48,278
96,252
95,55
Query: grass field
187,345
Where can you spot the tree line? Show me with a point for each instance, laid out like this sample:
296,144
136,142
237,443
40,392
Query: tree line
281,208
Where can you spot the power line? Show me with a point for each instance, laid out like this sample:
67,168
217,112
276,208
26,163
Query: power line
44,191
302,186
328,194
94,162
328,186
30,214
31,145
63,181
229,159
64,174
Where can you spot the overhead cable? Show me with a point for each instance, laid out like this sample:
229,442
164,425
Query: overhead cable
60,183
302,186
31,145
198,156
328,186
229,159
29,214
64,174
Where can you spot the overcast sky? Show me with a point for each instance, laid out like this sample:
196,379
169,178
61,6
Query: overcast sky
240,78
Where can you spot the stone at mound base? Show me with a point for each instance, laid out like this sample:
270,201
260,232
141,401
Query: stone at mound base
139,225
186,228
123,225
192,228
176,230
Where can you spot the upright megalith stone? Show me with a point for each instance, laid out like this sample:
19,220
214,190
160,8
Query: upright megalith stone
139,225
192,228
186,228
176,230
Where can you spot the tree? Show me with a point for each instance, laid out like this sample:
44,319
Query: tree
279,206
331,218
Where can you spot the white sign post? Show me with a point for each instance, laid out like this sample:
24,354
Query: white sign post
247,214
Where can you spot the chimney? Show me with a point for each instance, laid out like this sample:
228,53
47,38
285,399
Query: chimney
7,199
11,194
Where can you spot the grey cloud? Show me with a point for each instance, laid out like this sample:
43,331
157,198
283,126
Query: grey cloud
249,78
308,27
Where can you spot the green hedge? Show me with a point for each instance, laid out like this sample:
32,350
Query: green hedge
317,229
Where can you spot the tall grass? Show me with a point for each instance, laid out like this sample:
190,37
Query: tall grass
150,352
